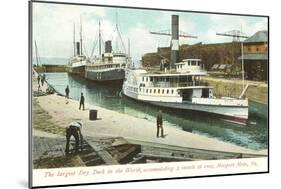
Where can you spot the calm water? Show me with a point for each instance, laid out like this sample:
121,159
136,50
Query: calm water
253,136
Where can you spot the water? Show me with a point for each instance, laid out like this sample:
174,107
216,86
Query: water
253,136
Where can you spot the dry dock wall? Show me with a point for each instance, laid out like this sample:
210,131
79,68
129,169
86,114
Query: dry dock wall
50,68
257,91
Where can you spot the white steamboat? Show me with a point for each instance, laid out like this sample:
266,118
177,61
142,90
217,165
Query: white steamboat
183,88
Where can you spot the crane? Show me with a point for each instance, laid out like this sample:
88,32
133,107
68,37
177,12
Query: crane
169,33
175,33
236,35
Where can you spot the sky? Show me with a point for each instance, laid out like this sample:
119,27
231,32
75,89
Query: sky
53,28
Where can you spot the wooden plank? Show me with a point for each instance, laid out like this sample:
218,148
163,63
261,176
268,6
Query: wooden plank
104,155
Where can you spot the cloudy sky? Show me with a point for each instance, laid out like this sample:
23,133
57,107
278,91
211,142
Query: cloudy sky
53,27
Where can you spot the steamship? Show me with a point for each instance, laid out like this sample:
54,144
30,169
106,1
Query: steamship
109,66
181,87
77,63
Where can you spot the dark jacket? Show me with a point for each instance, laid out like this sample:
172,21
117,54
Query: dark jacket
82,99
66,90
159,119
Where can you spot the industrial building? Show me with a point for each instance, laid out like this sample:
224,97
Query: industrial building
256,56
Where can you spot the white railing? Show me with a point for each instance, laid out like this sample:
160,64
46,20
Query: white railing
176,84
221,101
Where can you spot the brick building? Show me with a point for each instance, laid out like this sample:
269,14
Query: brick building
256,56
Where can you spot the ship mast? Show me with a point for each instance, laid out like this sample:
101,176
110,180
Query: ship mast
119,34
36,52
129,47
81,37
99,39
74,54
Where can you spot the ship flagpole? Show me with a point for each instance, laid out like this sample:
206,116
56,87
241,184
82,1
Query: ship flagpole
99,39
74,53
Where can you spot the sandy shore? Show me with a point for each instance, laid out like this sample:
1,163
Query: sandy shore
111,123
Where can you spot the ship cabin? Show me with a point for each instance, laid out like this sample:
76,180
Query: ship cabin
190,66
184,83
108,61
78,58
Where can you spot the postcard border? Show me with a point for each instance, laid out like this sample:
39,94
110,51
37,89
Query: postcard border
30,53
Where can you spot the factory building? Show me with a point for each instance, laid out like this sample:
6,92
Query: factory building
256,56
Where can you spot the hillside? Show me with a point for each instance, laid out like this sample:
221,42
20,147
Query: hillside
220,53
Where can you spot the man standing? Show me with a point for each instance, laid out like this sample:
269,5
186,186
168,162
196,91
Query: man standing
43,79
38,79
159,124
67,92
74,129
82,100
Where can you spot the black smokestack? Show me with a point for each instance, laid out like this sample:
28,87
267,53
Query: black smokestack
108,47
175,41
78,48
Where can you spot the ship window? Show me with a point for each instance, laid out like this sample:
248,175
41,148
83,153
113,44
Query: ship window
162,91
151,79
193,63
158,90
146,90
150,91
154,90
142,78
172,91
146,79
168,91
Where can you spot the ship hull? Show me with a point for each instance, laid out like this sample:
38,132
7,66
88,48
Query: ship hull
110,76
235,114
76,70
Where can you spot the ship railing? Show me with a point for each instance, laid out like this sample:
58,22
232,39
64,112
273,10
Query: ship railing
181,84
220,101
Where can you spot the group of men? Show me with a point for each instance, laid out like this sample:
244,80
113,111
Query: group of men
41,78
75,128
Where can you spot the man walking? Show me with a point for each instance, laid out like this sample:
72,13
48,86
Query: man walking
82,100
159,124
67,92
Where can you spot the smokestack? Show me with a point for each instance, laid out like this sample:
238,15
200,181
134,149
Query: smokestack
108,47
78,48
175,41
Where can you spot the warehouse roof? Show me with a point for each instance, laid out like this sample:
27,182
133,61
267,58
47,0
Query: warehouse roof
260,36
